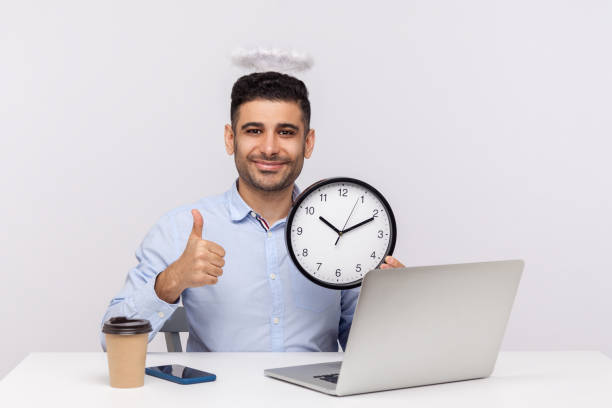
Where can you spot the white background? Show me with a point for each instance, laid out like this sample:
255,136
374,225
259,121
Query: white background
486,124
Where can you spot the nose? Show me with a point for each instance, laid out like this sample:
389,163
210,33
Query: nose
270,144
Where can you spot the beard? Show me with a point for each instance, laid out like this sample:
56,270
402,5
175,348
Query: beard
272,180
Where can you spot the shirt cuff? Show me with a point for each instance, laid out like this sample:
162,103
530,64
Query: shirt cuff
147,303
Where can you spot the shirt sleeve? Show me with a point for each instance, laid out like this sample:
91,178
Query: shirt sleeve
138,299
347,309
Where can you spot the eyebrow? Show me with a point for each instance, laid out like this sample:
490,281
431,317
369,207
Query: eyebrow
259,124
288,125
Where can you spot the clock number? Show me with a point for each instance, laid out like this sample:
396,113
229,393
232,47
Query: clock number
373,254
361,199
380,233
299,230
358,268
305,252
323,197
309,210
319,267
343,192
338,273
375,213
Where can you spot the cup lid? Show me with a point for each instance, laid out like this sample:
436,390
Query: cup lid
123,325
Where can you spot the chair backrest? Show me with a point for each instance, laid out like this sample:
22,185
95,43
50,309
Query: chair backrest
175,324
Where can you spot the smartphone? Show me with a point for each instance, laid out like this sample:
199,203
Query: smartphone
180,374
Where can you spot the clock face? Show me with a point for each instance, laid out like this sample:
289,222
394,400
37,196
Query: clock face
339,229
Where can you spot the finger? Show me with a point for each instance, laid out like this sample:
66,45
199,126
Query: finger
214,271
215,248
198,223
393,262
384,266
211,280
215,259
207,280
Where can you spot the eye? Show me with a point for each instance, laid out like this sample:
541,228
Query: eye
253,131
287,132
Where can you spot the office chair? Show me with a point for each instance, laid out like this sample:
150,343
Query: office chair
175,324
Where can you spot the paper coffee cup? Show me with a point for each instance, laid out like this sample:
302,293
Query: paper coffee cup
126,349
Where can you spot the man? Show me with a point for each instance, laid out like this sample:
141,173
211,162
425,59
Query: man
225,255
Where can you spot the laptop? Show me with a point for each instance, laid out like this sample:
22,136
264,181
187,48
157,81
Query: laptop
419,326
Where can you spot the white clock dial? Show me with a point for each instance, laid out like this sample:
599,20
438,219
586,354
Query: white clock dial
338,230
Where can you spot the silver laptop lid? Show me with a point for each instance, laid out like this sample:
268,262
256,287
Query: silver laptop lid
427,325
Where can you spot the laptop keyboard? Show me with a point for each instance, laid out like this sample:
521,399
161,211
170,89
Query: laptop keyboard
332,378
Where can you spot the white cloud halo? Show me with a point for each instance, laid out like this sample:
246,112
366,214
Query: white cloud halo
275,59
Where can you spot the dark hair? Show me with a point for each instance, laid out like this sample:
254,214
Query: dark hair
272,86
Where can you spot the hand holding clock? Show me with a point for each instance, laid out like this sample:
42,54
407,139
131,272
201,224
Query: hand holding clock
391,262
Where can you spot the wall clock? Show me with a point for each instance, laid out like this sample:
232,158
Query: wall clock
338,229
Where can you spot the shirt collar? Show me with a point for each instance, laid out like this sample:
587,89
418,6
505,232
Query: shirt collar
239,209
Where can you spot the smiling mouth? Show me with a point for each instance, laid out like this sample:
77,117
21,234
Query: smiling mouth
263,165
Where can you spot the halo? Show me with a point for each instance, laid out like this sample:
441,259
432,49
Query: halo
262,59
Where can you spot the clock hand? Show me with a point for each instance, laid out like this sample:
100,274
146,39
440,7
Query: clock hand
350,214
347,220
357,225
329,225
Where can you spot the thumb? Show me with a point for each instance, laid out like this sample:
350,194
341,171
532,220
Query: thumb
198,223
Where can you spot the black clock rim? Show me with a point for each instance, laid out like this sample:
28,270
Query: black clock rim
296,205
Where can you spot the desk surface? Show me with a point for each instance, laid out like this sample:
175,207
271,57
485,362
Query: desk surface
520,379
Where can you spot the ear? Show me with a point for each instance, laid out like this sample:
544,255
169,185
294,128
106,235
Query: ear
309,142
229,139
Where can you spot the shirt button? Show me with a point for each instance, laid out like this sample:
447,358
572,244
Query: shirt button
272,276
252,213
276,320
269,233
160,314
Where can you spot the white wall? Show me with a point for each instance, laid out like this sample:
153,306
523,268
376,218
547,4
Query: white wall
486,124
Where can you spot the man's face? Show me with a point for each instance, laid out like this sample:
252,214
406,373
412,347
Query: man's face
269,146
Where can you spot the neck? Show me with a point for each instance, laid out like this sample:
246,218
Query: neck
272,205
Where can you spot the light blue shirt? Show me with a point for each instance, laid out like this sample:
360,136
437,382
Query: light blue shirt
261,302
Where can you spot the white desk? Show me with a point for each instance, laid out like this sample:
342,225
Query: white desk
521,379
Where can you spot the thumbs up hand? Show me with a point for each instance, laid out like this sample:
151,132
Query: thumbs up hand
200,264
202,260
